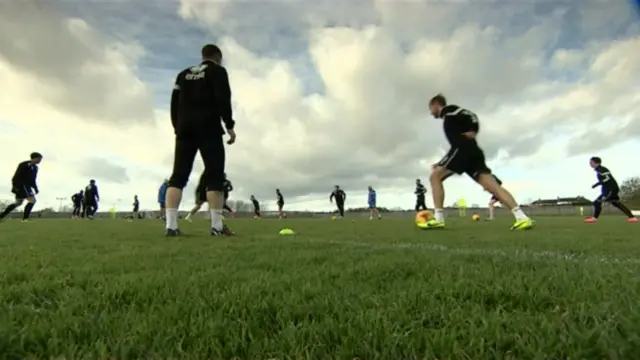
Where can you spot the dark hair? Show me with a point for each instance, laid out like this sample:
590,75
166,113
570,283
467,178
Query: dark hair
210,50
36,155
596,160
438,99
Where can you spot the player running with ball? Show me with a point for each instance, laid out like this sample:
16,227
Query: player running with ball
465,156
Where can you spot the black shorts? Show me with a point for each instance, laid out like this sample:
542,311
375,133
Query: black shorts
21,191
136,209
280,205
469,161
609,196
494,199
211,148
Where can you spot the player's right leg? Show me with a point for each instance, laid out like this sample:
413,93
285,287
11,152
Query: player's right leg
452,163
185,152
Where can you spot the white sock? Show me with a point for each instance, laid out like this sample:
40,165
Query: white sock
188,216
172,219
216,219
439,215
519,214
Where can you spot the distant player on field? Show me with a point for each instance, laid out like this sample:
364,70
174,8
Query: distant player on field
340,197
201,197
493,201
77,200
280,202
91,199
162,194
609,192
136,207
24,186
465,156
371,201
256,207
227,189
420,193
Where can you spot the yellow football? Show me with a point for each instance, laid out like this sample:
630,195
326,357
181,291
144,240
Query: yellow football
475,217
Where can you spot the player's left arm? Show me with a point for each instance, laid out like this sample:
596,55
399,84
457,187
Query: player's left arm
344,196
96,192
604,176
34,183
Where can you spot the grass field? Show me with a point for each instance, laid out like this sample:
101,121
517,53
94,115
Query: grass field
337,290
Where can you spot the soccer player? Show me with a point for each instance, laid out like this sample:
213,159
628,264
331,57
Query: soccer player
201,197
465,156
371,200
256,207
91,199
609,192
77,200
420,193
340,197
24,186
162,194
201,98
136,207
227,188
493,201
280,203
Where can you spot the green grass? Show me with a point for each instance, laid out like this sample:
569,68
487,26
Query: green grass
337,290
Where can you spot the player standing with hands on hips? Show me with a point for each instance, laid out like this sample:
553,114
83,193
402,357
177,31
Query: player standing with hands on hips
201,98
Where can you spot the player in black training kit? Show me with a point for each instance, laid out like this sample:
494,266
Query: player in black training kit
200,198
420,193
227,188
280,202
136,207
24,186
77,200
91,200
201,98
340,197
461,127
256,207
609,191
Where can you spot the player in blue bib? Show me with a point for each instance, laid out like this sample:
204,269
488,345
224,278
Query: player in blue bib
372,204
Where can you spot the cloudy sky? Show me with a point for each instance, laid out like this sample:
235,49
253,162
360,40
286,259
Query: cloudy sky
326,92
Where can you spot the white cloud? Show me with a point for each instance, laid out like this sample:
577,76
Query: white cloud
378,64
